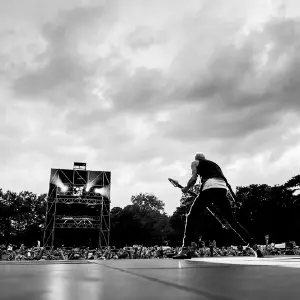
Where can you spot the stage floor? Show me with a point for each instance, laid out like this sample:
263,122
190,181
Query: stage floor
219,278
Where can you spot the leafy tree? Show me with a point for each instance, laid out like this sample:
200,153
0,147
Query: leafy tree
294,183
143,222
266,210
147,201
20,214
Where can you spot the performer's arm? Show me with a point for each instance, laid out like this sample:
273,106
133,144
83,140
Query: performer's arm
193,179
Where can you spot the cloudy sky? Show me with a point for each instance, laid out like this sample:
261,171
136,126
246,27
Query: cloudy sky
136,87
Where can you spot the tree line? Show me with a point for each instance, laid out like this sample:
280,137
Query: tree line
261,208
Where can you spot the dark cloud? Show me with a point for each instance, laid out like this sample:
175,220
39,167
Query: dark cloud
141,94
59,73
76,26
145,90
145,37
64,74
228,104
233,98
227,101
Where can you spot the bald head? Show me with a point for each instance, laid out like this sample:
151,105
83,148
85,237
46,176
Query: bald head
199,156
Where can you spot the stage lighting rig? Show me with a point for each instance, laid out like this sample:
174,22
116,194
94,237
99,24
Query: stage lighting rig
72,193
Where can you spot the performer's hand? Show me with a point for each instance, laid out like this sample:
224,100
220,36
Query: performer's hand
184,190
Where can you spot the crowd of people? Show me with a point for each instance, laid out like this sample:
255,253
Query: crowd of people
23,253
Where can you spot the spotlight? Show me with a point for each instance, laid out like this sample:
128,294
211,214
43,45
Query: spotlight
89,185
64,188
57,181
104,191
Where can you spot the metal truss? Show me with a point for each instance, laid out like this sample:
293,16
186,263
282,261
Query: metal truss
76,218
56,198
85,194
78,200
77,222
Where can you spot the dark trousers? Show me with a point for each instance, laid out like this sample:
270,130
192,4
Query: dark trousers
216,200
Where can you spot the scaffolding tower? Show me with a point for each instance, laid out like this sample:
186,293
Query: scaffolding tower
78,208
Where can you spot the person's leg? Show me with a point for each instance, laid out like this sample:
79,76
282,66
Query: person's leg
222,206
197,207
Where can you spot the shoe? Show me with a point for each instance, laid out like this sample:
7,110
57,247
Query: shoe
183,254
257,252
253,251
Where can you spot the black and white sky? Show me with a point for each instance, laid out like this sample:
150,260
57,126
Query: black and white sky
137,87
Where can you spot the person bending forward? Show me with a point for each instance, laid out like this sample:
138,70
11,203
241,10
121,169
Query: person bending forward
213,194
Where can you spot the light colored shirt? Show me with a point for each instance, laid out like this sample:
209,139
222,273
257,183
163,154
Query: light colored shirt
216,183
